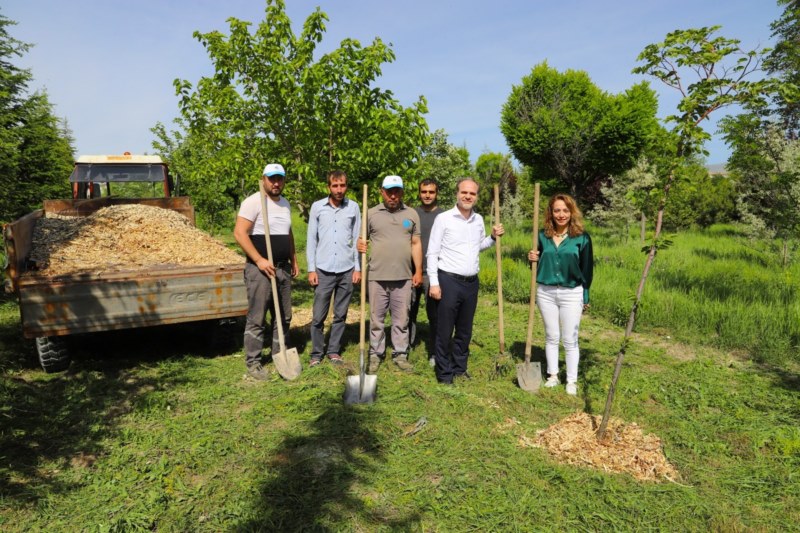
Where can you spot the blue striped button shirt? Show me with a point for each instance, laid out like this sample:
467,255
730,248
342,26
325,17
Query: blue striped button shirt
332,235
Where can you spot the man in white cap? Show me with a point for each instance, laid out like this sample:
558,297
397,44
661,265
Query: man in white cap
394,231
249,233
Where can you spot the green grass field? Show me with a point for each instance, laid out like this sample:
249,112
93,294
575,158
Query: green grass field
158,429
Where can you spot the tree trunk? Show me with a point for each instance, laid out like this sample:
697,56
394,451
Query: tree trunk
643,229
651,255
785,252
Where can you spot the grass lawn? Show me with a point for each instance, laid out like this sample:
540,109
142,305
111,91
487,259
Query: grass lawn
153,430
158,429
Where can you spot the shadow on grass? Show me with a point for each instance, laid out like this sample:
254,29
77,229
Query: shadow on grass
588,379
320,480
723,286
52,423
787,379
746,255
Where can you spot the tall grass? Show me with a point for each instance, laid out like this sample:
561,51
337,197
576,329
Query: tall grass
712,286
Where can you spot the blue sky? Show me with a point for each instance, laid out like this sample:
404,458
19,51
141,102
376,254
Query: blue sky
108,66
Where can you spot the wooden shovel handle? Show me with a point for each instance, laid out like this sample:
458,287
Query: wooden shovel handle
532,305
362,329
499,272
273,281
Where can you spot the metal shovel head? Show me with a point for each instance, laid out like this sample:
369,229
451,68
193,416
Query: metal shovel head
360,388
529,376
287,363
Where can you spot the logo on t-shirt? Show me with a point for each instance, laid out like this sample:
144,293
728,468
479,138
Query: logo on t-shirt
407,223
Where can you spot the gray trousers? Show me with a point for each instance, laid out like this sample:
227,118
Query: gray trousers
394,297
259,301
340,286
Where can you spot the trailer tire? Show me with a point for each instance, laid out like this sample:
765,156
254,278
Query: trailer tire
226,333
53,354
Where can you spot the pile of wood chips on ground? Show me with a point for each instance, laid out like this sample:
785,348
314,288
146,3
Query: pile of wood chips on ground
302,318
625,448
123,237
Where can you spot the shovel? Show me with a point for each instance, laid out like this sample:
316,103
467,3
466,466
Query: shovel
287,362
501,360
529,376
361,388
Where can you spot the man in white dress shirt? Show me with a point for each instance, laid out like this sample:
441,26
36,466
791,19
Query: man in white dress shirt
457,237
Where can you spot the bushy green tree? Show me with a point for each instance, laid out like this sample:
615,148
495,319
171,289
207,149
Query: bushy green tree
567,129
492,169
36,153
783,61
627,198
442,161
699,198
766,166
764,142
198,175
273,97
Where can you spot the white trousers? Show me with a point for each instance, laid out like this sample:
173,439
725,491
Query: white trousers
561,310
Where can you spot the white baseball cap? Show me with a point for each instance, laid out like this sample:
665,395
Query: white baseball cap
274,169
390,182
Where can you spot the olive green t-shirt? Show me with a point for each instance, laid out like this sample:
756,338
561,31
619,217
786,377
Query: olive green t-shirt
390,242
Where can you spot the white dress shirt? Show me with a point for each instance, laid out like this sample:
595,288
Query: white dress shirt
455,244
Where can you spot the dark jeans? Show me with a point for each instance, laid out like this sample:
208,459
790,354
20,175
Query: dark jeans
431,310
259,301
340,286
456,312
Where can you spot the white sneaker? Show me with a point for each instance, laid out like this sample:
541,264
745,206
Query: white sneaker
432,362
572,389
551,382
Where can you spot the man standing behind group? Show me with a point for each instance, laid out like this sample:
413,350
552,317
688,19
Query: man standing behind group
249,233
428,210
393,230
333,226
457,237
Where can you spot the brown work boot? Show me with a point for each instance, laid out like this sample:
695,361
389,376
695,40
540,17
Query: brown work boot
374,363
401,360
257,372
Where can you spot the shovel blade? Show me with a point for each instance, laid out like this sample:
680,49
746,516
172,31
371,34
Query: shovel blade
355,393
529,376
287,363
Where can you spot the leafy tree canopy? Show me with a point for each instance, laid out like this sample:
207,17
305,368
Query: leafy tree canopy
492,169
766,165
566,129
274,98
442,161
783,61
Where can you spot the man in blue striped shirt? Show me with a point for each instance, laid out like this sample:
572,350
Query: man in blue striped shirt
333,268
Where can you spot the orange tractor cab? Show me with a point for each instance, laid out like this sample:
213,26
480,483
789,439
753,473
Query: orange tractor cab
92,171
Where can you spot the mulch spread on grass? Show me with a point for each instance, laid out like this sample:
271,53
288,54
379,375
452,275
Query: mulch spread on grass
625,449
123,237
302,318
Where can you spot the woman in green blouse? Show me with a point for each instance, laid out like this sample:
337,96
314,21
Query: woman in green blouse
563,276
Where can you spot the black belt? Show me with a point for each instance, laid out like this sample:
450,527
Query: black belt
284,265
459,277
